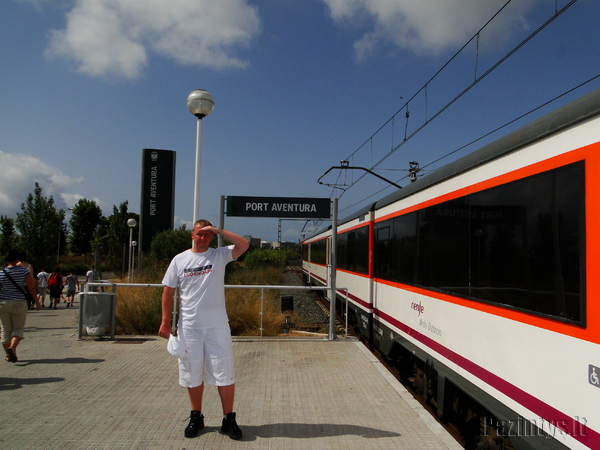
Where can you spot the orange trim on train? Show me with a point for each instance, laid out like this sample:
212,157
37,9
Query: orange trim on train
362,275
365,223
591,332
583,153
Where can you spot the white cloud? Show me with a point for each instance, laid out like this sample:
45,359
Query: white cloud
117,37
19,175
425,26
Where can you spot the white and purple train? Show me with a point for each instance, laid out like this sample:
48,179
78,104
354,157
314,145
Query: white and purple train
480,283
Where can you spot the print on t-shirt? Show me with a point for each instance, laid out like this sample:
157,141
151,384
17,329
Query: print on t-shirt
195,271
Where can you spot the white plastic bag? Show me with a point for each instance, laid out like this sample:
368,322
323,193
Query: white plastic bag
176,347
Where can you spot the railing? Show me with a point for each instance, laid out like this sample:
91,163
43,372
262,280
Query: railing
104,284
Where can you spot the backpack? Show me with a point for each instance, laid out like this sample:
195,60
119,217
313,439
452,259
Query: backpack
54,280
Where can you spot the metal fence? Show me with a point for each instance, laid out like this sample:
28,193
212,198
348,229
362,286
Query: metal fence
93,308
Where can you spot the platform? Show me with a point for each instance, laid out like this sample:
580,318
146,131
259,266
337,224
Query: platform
291,393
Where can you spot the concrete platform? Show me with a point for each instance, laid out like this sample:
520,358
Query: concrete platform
291,393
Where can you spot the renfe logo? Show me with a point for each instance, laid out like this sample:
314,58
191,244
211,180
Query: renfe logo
417,307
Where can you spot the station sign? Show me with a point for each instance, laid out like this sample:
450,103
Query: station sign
158,194
280,207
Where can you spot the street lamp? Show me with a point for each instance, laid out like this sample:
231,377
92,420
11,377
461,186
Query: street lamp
131,223
200,103
133,245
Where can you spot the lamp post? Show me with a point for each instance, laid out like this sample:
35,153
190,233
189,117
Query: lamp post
133,245
131,223
200,103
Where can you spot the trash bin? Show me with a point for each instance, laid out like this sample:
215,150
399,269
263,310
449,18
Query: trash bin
287,303
97,313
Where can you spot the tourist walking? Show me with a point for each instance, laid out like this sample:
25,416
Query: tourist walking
23,263
42,278
72,287
13,303
55,285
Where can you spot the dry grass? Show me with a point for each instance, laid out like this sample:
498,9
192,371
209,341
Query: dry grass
138,309
244,305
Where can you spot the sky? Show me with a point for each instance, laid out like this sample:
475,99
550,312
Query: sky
298,86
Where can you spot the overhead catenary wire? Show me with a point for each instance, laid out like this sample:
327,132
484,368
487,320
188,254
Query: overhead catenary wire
514,120
424,89
462,147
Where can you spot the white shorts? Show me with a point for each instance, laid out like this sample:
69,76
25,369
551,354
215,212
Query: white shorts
210,352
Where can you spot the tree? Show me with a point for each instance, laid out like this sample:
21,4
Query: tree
41,227
117,235
169,243
9,237
86,218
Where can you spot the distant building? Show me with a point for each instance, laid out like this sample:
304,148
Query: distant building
286,244
266,244
257,243
254,242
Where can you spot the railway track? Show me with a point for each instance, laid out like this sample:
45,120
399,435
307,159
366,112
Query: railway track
471,434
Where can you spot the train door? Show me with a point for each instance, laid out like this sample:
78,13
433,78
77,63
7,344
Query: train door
328,265
370,262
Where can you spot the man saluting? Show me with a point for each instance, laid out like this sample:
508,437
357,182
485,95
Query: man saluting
203,325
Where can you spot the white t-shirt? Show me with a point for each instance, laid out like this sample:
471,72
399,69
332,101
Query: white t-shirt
200,278
43,279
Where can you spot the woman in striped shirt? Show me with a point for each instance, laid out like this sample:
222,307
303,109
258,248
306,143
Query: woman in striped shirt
13,304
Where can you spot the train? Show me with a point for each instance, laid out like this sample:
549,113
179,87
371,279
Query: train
480,285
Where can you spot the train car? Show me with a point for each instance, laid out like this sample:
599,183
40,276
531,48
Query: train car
480,284
355,269
354,266
316,260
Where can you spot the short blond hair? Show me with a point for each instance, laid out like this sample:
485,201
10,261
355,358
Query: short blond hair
203,223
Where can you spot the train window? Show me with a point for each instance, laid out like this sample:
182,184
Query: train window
383,251
353,250
444,249
526,243
318,251
342,251
405,248
518,245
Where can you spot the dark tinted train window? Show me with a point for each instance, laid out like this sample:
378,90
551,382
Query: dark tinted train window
353,250
318,252
382,264
342,251
520,245
405,247
358,247
396,249
527,244
444,245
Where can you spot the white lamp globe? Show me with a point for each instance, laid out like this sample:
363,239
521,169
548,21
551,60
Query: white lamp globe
200,103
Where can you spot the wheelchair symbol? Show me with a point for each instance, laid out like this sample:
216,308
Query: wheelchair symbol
593,376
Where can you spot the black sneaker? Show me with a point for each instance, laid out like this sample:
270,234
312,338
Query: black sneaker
195,426
230,427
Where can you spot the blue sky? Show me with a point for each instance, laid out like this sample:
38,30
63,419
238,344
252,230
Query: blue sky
85,85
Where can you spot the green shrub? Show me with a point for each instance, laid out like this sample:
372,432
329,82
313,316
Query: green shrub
78,268
167,244
265,257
